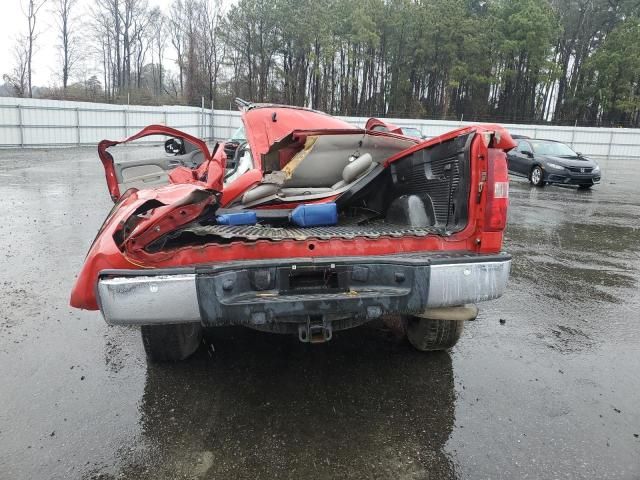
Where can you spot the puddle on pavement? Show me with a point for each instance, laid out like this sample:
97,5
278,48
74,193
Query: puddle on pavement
358,407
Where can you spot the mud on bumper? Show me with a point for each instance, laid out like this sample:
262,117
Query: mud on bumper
276,294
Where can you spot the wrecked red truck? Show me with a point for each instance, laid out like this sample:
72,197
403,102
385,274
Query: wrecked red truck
314,226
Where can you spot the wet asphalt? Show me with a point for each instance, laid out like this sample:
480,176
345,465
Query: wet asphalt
544,384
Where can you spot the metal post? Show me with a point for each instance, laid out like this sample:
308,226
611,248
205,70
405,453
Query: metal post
211,123
126,122
78,125
201,117
20,125
573,133
610,142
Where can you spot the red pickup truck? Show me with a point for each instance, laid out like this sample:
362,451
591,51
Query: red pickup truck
312,227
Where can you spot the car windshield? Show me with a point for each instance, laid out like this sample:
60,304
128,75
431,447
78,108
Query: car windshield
412,132
553,148
239,135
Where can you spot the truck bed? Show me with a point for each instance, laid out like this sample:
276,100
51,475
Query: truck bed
224,233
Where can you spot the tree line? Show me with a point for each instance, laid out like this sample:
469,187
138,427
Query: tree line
527,61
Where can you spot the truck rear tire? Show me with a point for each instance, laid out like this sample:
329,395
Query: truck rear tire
172,342
427,334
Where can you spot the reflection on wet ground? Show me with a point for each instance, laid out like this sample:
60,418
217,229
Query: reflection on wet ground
266,406
543,385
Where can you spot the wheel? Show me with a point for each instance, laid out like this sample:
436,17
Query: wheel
427,334
585,187
536,177
172,342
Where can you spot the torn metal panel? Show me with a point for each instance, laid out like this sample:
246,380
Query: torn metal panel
290,167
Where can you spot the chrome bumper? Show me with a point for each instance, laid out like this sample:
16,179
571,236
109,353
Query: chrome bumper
148,300
140,298
456,284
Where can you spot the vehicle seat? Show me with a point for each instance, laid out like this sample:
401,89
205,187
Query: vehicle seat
350,173
191,159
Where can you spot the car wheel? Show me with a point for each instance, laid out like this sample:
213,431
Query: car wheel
585,187
536,177
172,342
427,334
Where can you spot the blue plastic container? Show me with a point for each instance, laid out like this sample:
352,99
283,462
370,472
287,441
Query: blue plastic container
316,215
239,218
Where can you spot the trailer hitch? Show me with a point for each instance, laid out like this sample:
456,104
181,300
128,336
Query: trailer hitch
315,330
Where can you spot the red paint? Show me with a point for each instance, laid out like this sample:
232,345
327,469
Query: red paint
376,122
240,185
214,166
104,254
505,142
263,129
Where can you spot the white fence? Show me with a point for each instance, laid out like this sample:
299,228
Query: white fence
592,141
39,123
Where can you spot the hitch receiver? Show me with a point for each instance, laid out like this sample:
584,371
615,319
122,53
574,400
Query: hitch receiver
315,330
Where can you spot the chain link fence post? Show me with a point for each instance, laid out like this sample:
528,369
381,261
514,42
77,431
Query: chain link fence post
126,122
78,126
211,123
202,117
573,133
20,125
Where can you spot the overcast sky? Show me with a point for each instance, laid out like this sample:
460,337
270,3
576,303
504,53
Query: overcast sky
46,58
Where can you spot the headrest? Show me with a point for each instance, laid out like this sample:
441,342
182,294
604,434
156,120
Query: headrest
261,191
357,167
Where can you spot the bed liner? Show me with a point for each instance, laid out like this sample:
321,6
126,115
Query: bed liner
264,232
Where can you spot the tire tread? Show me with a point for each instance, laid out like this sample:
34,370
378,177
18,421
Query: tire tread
427,334
172,342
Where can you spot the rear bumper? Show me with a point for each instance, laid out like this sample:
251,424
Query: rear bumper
263,292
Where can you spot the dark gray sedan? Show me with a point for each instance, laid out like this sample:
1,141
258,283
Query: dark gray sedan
548,161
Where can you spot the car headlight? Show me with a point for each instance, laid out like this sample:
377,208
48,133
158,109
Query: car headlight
596,169
555,165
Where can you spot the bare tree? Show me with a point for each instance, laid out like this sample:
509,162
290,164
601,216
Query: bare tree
213,49
123,37
159,32
142,39
105,26
68,46
30,12
178,38
18,78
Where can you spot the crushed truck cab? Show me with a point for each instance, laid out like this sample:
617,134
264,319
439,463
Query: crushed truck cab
391,229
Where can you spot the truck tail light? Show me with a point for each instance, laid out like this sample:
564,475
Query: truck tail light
497,192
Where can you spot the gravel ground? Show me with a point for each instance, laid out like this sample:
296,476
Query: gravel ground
544,384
